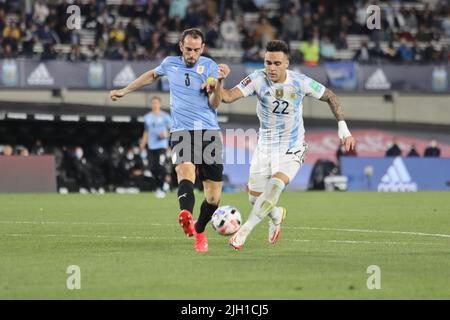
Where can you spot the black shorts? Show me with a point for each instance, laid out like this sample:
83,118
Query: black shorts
157,160
202,148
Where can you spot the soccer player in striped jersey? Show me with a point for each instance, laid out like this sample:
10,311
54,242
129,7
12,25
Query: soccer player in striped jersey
281,143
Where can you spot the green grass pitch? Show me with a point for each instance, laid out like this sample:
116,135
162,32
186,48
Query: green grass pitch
130,247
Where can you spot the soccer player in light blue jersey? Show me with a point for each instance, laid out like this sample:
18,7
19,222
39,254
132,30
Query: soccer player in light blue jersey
195,134
157,125
281,146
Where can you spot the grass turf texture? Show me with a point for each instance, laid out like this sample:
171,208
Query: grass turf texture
130,247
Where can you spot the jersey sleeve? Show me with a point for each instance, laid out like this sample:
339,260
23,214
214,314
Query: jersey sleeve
213,70
161,69
247,85
311,87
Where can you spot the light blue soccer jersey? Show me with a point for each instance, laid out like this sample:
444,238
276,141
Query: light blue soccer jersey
155,125
279,107
188,103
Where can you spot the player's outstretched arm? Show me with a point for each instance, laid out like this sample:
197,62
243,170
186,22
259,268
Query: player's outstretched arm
214,89
231,95
336,107
144,79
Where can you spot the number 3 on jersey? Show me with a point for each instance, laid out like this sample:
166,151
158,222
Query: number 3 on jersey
280,110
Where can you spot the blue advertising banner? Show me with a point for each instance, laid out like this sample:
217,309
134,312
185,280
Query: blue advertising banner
342,75
396,174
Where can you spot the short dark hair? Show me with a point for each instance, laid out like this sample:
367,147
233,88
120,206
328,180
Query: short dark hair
194,33
277,45
155,98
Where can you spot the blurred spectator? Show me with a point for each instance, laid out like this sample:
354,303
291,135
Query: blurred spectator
133,172
394,150
192,18
432,150
310,51
49,52
7,150
11,36
23,151
364,54
178,8
105,20
229,32
37,148
412,151
446,24
327,49
82,171
117,34
390,52
404,52
41,11
341,41
212,33
47,35
417,53
75,54
292,28
264,32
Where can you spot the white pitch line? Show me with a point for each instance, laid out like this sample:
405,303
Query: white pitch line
173,225
87,223
374,231
23,235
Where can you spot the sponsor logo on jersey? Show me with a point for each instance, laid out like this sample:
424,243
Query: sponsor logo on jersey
397,178
246,81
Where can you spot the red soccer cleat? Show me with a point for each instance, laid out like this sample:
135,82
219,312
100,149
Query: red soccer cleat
186,222
200,243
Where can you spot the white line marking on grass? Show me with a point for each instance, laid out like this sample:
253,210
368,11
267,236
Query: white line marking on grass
374,231
89,223
173,225
22,235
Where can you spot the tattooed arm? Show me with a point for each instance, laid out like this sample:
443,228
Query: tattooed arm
334,103
336,107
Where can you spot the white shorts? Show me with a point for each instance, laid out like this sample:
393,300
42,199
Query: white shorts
265,164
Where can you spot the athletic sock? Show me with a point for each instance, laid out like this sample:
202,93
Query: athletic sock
206,212
265,203
186,196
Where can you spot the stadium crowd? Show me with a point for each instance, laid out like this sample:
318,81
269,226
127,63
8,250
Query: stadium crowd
411,31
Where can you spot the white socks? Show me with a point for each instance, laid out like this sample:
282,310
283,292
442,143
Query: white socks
264,204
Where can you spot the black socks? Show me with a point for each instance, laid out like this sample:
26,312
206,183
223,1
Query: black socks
206,212
186,195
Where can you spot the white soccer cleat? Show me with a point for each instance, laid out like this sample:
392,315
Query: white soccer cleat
237,241
275,224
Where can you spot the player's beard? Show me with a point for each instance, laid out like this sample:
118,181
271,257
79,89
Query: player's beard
189,63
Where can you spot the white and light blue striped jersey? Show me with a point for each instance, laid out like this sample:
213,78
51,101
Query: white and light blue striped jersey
279,107
155,124
189,106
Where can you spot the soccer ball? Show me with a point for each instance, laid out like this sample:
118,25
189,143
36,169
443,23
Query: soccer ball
226,220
